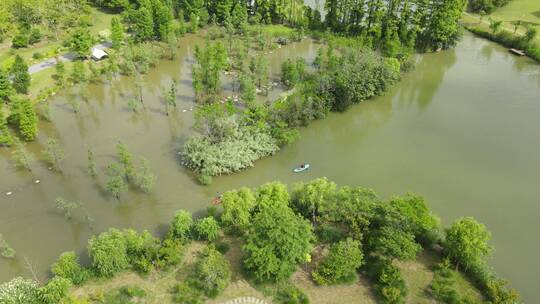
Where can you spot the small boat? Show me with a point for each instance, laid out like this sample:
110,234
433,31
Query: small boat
301,168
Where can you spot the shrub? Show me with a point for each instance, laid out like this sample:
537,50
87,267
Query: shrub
442,287
389,284
141,249
67,266
289,294
170,253
19,41
187,294
19,291
328,234
35,36
341,263
212,272
222,247
108,253
207,229
55,290
37,55
181,225
237,206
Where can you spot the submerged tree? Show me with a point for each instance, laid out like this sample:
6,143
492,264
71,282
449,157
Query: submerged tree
66,207
5,250
211,60
92,170
117,33
116,183
54,154
20,157
145,178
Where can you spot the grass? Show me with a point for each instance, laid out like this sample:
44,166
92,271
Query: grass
158,285
100,21
528,11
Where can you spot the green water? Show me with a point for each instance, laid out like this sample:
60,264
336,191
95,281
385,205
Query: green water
462,129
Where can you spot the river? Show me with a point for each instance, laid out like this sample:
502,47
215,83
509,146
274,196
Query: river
462,129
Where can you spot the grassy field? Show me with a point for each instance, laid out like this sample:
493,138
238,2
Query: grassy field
158,285
528,11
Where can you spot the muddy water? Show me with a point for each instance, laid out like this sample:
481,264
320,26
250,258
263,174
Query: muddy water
462,129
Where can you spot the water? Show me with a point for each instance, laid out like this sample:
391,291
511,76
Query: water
462,130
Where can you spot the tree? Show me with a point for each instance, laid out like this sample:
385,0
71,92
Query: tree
108,253
259,68
341,263
142,24
80,42
117,33
277,241
530,34
467,242
239,15
126,159
54,154
308,198
211,60
115,184
394,243
212,272
78,74
5,136
66,207
27,120
237,207
91,163
495,25
181,225
145,179
444,29
6,90
19,75
247,89
289,73
207,229
54,291
67,266
60,75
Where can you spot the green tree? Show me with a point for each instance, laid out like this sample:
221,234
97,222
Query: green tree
67,266
80,42
54,154
126,159
237,207
108,253
467,242
309,198
207,229
239,15
117,33
5,136
259,69
6,90
247,89
66,207
495,25
289,73
20,291
277,241
115,183
341,263
443,30
78,74
394,243
181,225
60,75
142,24
21,158
25,118
55,290
530,34
212,272
145,179
19,75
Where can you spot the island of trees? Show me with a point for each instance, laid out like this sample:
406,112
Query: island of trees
341,232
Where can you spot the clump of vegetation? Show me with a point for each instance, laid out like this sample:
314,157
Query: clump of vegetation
66,207
340,265
212,272
5,250
207,229
54,154
442,287
389,284
67,266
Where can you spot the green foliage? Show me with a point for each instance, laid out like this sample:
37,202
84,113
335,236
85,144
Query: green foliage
184,293
35,36
237,207
5,136
108,253
389,284
170,253
115,183
78,73
207,229
442,287
181,226
55,290
5,250
212,272
54,154
341,263
6,90
60,74
308,198
394,243
289,73
67,266
485,6
141,249
92,170
80,42
467,242
19,291
20,157
278,240
287,293
66,207
125,295
20,41
247,89
117,33
512,40
19,75
211,60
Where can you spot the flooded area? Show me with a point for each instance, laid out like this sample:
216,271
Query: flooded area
462,129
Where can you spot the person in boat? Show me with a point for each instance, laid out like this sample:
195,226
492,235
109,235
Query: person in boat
302,166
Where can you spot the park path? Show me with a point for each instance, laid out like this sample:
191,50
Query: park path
245,300
38,67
